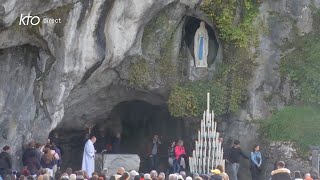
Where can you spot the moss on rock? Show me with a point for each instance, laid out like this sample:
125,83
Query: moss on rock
140,73
228,87
224,15
297,124
302,66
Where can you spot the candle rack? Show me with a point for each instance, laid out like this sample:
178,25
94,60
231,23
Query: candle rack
208,151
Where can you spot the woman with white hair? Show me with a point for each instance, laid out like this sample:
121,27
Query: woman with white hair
308,177
173,177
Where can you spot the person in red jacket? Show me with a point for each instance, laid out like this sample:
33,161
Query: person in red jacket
179,153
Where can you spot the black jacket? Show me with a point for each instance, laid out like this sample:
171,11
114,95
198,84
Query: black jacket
234,155
116,145
5,161
171,153
30,158
215,177
281,174
30,153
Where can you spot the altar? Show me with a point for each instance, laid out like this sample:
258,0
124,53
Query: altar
113,161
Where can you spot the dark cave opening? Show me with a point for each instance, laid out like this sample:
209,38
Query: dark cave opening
136,121
190,28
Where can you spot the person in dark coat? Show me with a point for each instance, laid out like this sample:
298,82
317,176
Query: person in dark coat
30,159
5,162
116,144
153,151
281,173
234,158
216,175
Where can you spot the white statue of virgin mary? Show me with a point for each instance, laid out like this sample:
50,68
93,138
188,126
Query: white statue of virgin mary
201,43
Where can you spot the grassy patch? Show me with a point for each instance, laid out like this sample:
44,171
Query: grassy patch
296,124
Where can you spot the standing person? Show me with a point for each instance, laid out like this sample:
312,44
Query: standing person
256,161
116,143
5,162
30,159
234,158
154,151
88,156
39,147
297,175
171,157
223,174
308,177
56,156
216,175
101,142
48,161
180,152
281,173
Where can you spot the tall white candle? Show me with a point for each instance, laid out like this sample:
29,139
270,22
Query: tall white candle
212,129
215,126
205,149
208,102
190,164
204,168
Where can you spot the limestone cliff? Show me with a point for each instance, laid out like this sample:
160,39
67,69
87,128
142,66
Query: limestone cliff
75,72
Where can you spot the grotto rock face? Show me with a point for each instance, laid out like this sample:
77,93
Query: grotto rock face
78,70
71,74
281,19
280,22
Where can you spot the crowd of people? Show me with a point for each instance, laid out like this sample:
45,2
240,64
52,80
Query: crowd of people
280,173
43,163
37,159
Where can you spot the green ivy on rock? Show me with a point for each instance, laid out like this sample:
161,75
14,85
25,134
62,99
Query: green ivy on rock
303,67
139,73
223,14
190,99
295,124
227,88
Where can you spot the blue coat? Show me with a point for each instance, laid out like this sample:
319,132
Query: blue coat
256,158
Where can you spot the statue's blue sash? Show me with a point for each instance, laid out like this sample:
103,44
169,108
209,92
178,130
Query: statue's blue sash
201,46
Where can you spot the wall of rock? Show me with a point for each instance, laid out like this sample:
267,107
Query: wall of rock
70,74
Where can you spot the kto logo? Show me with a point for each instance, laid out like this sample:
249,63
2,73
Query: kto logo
28,19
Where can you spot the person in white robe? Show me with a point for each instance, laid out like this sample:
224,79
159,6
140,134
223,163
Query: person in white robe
88,156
